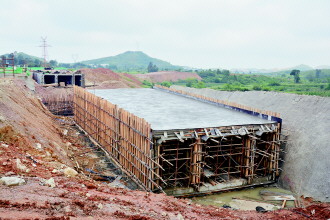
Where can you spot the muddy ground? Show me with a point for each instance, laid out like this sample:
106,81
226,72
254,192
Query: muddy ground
40,149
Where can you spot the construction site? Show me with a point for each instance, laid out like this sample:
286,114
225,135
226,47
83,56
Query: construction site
162,143
138,153
59,78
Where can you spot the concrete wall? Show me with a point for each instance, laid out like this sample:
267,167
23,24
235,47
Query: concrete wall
306,119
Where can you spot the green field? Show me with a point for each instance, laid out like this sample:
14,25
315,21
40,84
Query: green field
310,83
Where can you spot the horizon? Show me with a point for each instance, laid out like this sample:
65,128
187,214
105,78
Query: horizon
201,34
232,69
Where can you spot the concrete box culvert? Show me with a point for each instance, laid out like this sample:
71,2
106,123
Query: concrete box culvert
180,145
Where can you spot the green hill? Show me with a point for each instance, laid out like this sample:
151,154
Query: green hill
21,55
23,58
130,61
301,67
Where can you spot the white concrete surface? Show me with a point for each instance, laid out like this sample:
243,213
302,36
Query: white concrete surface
166,111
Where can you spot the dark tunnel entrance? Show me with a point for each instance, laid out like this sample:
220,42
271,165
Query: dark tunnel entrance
49,79
67,79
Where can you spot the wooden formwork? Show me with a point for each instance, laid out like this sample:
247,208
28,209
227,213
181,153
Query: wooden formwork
58,104
194,157
217,155
126,137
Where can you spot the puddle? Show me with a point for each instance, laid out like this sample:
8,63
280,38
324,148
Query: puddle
246,199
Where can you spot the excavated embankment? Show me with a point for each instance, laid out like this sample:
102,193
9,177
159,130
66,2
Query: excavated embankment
35,149
306,122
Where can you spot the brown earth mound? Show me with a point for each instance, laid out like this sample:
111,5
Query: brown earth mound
24,123
107,79
25,114
167,76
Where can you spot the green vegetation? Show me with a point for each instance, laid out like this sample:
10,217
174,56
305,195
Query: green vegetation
152,68
22,59
295,73
301,79
147,84
316,82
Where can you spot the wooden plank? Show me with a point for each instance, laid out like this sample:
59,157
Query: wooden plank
126,137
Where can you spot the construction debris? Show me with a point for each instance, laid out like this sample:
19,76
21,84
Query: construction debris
50,182
69,172
12,181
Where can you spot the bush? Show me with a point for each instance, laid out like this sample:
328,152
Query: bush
244,89
256,87
147,84
199,85
328,87
166,84
274,84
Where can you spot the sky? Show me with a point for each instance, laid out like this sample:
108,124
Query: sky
194,33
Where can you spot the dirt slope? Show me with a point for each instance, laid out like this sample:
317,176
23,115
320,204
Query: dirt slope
25,123
306,119
22,112
167,76
107,79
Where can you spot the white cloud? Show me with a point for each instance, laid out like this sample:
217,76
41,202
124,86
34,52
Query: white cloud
209,33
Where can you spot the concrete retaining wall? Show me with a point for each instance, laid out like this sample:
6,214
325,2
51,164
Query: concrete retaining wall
306,119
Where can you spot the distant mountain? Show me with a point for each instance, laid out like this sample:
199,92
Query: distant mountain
323,67
130,60
301,67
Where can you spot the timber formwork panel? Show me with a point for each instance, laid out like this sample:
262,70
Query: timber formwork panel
58,104
126,137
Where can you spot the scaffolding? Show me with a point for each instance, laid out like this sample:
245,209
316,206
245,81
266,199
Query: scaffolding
7,62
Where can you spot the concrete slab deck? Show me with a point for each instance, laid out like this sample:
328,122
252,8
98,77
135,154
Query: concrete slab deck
166,111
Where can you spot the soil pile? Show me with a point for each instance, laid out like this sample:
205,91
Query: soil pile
25,117
168,76
107,79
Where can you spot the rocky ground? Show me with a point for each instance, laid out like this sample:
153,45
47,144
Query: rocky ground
42,170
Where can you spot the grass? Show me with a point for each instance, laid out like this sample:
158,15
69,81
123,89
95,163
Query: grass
303,88
20,70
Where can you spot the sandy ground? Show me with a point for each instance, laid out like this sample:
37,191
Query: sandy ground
30,134
107,79
167,76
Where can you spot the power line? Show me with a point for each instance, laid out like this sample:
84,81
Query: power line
44,46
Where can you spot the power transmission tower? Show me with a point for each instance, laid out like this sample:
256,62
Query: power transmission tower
44,46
